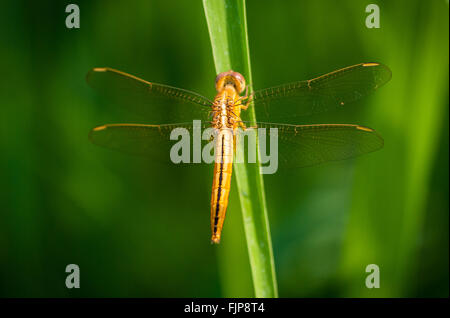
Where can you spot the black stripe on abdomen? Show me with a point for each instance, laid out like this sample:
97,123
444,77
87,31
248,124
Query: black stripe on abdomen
216,214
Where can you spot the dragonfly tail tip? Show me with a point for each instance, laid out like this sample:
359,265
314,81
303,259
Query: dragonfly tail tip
215,240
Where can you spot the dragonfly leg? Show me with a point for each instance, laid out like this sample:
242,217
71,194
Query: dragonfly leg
247,89
242,125
247,98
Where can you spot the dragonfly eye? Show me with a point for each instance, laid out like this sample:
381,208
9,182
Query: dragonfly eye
230,78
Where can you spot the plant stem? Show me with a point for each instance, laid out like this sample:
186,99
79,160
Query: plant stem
227,26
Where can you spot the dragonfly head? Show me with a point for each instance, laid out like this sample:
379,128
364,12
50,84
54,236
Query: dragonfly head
230,78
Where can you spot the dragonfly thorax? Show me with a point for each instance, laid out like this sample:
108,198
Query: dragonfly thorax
230,78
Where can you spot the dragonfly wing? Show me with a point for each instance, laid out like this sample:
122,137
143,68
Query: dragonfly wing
308,145
289,101
156,102
152,141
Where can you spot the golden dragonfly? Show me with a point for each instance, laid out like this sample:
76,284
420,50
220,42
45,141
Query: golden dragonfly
298,145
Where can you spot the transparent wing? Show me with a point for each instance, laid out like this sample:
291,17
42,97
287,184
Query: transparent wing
152,141
297,145
155,102
289,101
308,145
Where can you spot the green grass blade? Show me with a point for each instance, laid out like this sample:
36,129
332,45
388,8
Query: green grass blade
227,26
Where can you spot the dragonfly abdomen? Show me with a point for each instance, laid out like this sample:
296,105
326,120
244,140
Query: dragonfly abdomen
225,117
223,168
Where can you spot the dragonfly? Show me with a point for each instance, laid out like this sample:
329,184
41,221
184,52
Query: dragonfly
298,145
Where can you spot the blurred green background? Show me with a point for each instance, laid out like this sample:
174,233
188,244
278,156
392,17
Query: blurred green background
139,230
